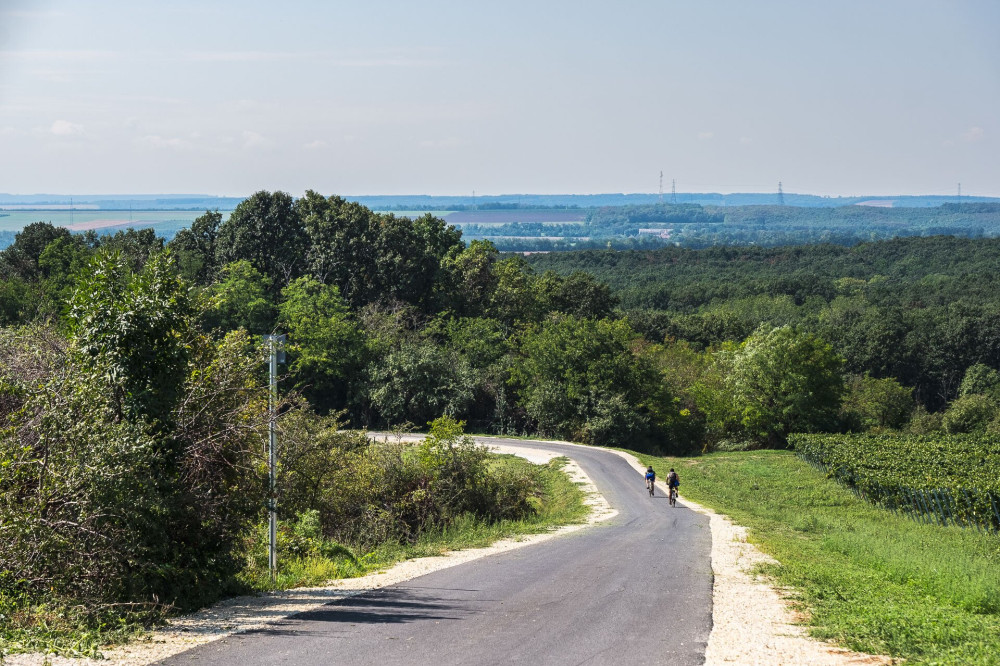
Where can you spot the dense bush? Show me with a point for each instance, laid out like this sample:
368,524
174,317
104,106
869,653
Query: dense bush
969,413
369,492
130,452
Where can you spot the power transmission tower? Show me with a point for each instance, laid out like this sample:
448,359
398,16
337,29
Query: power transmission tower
660,198
673,190
781,195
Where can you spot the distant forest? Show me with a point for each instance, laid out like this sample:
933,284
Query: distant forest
696,226
918,310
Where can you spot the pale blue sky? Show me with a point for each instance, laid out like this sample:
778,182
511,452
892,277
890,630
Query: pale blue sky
845,97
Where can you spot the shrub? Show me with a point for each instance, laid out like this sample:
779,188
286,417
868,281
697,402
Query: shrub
367,492
969,413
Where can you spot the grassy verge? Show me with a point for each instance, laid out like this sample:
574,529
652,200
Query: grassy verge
559,502
62,627
868,579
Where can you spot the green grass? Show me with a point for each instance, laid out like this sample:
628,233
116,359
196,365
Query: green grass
868,579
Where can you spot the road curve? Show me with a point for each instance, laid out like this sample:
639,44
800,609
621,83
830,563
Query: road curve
636,589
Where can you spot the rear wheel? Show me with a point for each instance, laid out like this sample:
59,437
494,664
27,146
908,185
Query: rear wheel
649,486
673,496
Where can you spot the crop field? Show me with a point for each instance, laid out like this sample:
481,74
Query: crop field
165,222
949,479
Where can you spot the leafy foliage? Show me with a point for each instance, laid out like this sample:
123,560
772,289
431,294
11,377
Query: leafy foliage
368,493
784,380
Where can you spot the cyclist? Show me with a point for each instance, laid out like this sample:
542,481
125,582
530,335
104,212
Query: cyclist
673,481
650,477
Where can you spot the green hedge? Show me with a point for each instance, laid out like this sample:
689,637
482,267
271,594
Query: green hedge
951,479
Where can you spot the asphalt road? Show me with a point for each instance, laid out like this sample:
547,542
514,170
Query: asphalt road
636,589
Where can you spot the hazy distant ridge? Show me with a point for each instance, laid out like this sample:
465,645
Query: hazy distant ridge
431,202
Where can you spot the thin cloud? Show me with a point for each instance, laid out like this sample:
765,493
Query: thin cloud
28,14
157,141
449,142
50,55
254,140
327,58
704,136
65,128
314,145
973,134
745,140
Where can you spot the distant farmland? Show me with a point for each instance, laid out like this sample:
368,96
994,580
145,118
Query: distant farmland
557,216
166,223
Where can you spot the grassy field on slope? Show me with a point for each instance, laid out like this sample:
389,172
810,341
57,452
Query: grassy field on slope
868,579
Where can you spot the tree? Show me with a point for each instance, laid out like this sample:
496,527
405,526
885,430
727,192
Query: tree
61,264
328,348
514,298
132,329
194,248
981,379
471,281
969,413
581,295
341,244
240,300
876,403
406,260
417,381
136,246
21,258
784,380
579,378
265,230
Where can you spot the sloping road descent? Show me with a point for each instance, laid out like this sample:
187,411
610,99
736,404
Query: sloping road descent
636,589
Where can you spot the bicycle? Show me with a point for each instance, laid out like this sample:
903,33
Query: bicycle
649,486
673,496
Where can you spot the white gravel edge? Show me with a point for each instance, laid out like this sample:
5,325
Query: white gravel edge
752,623
243,614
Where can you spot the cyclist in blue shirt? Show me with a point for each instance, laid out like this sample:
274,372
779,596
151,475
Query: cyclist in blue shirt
650,477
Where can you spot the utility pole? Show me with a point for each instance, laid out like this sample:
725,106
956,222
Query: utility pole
660,199
673,190
277,355
781,195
